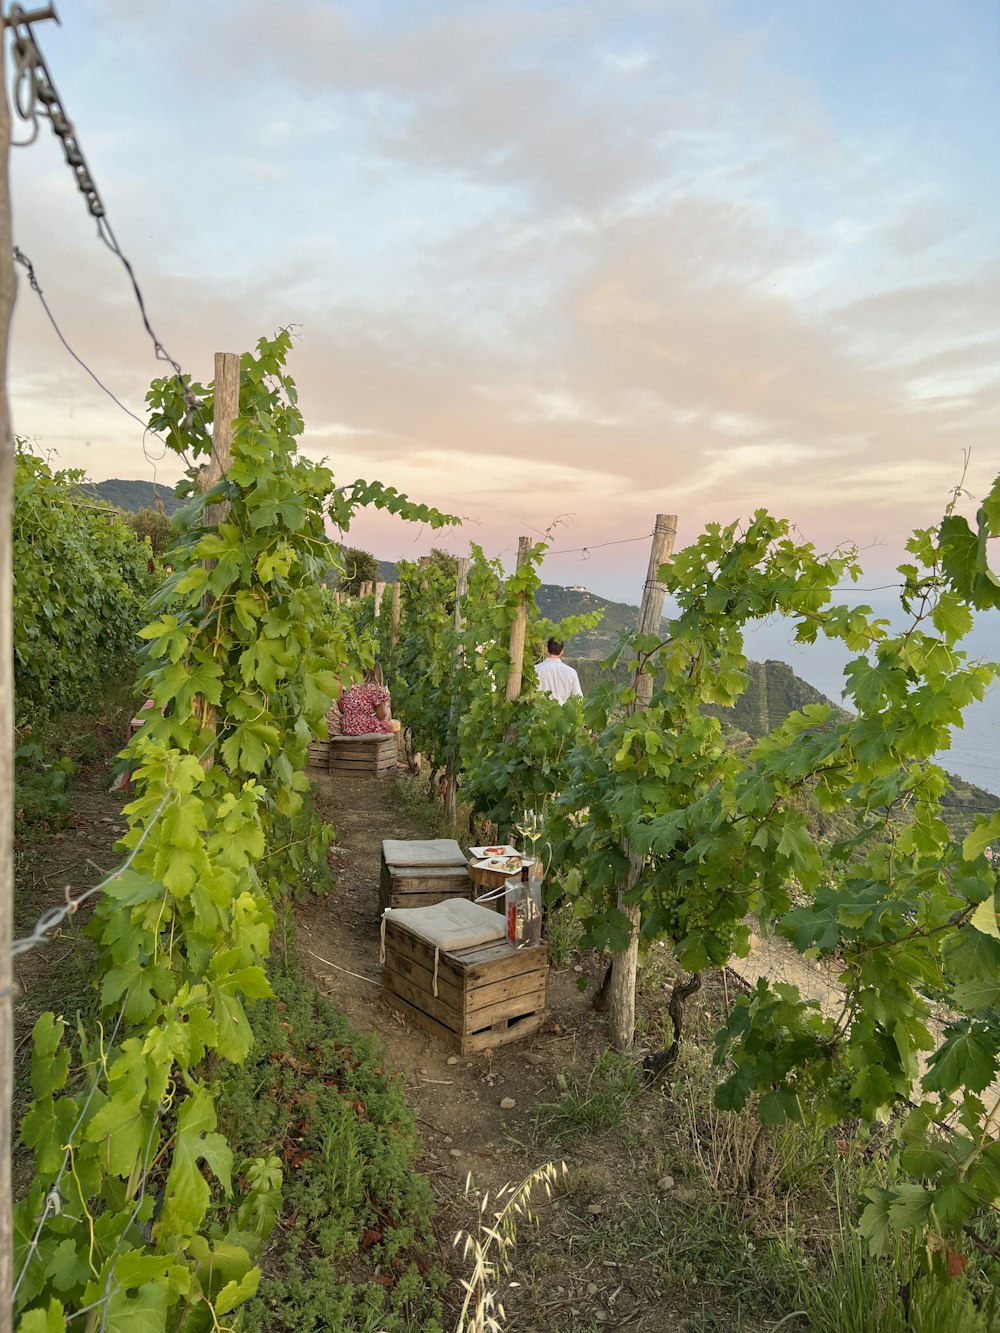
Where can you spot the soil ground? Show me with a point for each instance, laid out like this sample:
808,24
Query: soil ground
566,1276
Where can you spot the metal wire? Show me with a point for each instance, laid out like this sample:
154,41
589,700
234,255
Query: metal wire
21,258
49,920
53,1199
36,97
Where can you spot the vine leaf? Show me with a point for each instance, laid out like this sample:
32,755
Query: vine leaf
984,918
49,1320
982,993
187,1192
235,1293
967,1059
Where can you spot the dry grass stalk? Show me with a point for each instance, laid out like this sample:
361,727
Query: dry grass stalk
491,1243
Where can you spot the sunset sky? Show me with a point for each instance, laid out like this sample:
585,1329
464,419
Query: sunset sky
547,261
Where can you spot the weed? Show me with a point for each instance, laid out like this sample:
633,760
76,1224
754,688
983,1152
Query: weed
563,930
848,1290
318,1095
41,786
589,1105
490,1246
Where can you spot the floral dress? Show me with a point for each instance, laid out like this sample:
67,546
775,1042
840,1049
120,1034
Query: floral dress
357,710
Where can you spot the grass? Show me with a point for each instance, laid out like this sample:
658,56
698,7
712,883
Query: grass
563,930
350,1250
720,1223
589,1104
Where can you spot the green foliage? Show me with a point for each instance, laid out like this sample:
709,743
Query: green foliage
908,914
449,685
445,561
41,785
123,1219
847,1289
154,526
81,576
358,567
316,1095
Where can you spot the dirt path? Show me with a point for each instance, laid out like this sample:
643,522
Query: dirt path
456,1099
586,1267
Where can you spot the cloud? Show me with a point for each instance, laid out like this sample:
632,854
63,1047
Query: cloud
538,266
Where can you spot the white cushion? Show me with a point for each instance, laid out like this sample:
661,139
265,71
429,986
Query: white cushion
454,924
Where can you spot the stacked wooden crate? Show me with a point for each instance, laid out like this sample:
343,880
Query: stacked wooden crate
319,755
473,999
371,756
418,872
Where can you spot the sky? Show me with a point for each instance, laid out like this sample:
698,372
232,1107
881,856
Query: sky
548,263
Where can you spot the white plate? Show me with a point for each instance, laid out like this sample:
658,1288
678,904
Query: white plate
481,853
508,865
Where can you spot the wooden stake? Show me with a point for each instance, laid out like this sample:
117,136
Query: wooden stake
451,780
518,630
394,625
621,989
226,394
379,590
8,291
461,588
227,408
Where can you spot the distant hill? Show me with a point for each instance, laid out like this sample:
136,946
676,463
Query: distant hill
556,603
134,495
773,692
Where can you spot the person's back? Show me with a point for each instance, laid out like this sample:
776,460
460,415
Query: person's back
554,676
364,708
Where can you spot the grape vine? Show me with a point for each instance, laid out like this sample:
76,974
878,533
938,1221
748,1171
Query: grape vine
908,917
125,1224
81,576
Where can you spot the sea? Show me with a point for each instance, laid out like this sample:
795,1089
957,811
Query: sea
974,753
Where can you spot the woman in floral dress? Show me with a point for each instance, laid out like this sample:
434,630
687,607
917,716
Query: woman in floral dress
364,708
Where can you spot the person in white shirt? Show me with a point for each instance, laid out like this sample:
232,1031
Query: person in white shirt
554,676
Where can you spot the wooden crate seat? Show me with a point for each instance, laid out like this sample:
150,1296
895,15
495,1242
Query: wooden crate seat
419,872
473,996
372,756
319,755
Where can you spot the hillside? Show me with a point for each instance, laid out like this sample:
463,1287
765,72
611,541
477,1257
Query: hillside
555,603
134,495
774,690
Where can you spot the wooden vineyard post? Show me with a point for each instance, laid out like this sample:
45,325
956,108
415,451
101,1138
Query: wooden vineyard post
379,590
8,290
227,409
451,781
517,631
394,627
621,989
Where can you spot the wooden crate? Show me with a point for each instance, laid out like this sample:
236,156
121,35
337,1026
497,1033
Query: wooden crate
319,755
371,756
487,996
419,872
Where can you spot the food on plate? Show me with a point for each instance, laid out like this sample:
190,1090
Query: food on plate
505,863
494,851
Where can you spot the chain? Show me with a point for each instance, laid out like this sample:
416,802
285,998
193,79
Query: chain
35,96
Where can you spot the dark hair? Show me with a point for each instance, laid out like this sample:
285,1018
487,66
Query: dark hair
554,647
